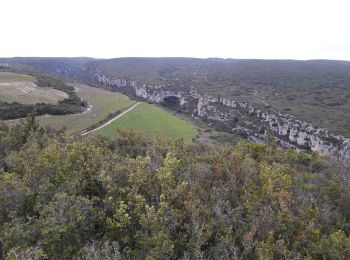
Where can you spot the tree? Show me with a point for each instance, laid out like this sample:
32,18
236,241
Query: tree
67,223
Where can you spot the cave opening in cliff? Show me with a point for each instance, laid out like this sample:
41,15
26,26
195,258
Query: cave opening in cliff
171,102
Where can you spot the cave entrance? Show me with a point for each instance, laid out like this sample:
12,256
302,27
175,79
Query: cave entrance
172,102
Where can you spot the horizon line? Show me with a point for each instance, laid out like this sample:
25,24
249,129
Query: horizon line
171,57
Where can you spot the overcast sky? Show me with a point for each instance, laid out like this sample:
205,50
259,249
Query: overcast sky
271,29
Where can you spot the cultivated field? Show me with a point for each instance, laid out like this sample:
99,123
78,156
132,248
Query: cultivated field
151,119
22,89
102,103
10,77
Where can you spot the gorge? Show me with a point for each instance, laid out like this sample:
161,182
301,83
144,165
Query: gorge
240,118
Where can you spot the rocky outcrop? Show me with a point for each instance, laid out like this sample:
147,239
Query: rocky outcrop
243,119
118,82
4,66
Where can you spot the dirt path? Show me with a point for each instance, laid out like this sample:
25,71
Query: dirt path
113,119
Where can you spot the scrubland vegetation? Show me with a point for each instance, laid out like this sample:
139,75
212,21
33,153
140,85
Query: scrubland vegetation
141,197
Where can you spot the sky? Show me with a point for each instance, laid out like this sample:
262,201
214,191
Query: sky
262,29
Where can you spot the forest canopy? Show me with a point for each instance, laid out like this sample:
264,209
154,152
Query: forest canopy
138,197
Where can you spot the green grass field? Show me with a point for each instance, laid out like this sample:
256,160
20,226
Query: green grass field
22,89
151,119
10,77
103,102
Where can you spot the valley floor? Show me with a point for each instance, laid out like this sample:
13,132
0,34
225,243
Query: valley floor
150,119
113,119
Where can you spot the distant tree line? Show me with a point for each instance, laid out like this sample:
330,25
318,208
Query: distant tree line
71,105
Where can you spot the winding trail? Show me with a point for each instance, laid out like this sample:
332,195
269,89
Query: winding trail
113,119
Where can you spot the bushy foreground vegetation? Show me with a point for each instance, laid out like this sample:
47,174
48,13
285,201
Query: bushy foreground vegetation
137,198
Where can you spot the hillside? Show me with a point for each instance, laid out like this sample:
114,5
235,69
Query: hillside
102,103
21,88
21,94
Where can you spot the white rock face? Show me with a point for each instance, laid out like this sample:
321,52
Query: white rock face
283,129
141,92
111,81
